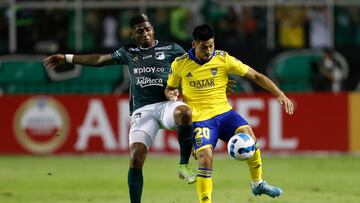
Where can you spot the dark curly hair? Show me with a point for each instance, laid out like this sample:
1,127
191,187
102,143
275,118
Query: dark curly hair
137,19
203,33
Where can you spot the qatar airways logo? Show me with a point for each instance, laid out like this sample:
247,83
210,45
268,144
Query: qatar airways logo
202,84
145,82
148,70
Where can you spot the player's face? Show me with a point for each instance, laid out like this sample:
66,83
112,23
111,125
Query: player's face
143,34
204,49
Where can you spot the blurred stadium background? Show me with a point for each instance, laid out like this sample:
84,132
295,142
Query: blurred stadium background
310,48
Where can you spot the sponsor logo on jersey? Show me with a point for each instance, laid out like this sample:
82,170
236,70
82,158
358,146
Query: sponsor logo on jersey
147,57
202,84
189,75
213,71
160,55
168,47
145,82
148,70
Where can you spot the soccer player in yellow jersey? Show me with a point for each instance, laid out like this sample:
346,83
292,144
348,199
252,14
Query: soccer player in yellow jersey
202,74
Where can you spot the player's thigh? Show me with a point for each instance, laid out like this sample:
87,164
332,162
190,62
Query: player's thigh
166,114
247,130
144,127
206,134
231,124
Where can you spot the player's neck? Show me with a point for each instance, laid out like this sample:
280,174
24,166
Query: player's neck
195,58
154,43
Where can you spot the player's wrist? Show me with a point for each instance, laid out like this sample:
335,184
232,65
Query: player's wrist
69,58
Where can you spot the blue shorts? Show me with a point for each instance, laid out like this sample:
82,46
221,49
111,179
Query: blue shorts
223,126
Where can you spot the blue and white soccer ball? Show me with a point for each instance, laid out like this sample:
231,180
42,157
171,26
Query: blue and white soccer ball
241,147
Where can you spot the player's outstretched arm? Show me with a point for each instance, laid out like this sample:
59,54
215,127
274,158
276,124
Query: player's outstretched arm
171,93
269,85
57,60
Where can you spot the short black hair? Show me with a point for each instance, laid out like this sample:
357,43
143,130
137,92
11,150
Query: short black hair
137,19
203,33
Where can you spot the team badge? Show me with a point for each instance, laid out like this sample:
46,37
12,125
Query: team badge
213,71
198,141
160,55
136,58
135,118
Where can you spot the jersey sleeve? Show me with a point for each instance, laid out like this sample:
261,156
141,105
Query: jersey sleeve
174,78
120,56
178,51
235,66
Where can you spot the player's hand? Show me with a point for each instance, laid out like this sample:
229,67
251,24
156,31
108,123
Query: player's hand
54,61
173,95
287,103
231,87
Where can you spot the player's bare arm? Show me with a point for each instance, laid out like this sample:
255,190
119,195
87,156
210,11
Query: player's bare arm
171,93
267,84
57,60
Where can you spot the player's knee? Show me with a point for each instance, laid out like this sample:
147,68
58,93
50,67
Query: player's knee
137,160
247,130
183,115
205,159
137,155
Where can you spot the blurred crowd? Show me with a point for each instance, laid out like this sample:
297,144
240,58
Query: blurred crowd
237,27
241,30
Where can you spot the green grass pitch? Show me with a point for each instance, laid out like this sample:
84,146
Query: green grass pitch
102,179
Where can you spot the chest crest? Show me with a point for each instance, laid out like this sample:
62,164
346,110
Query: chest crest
160,55
213,71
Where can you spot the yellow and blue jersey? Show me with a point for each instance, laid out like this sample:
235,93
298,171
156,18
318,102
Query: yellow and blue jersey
204,84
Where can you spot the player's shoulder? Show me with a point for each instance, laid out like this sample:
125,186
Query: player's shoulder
163,46
163,43
221,53
221,56
182,57
131,48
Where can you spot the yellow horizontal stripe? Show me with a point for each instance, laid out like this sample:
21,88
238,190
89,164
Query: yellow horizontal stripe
241,127
203,147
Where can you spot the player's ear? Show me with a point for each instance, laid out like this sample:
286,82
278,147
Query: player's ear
132,35
193,44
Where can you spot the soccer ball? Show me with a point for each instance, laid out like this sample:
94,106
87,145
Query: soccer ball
241,147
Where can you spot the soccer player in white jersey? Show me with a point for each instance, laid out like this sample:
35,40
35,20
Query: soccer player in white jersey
149,63
202,74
